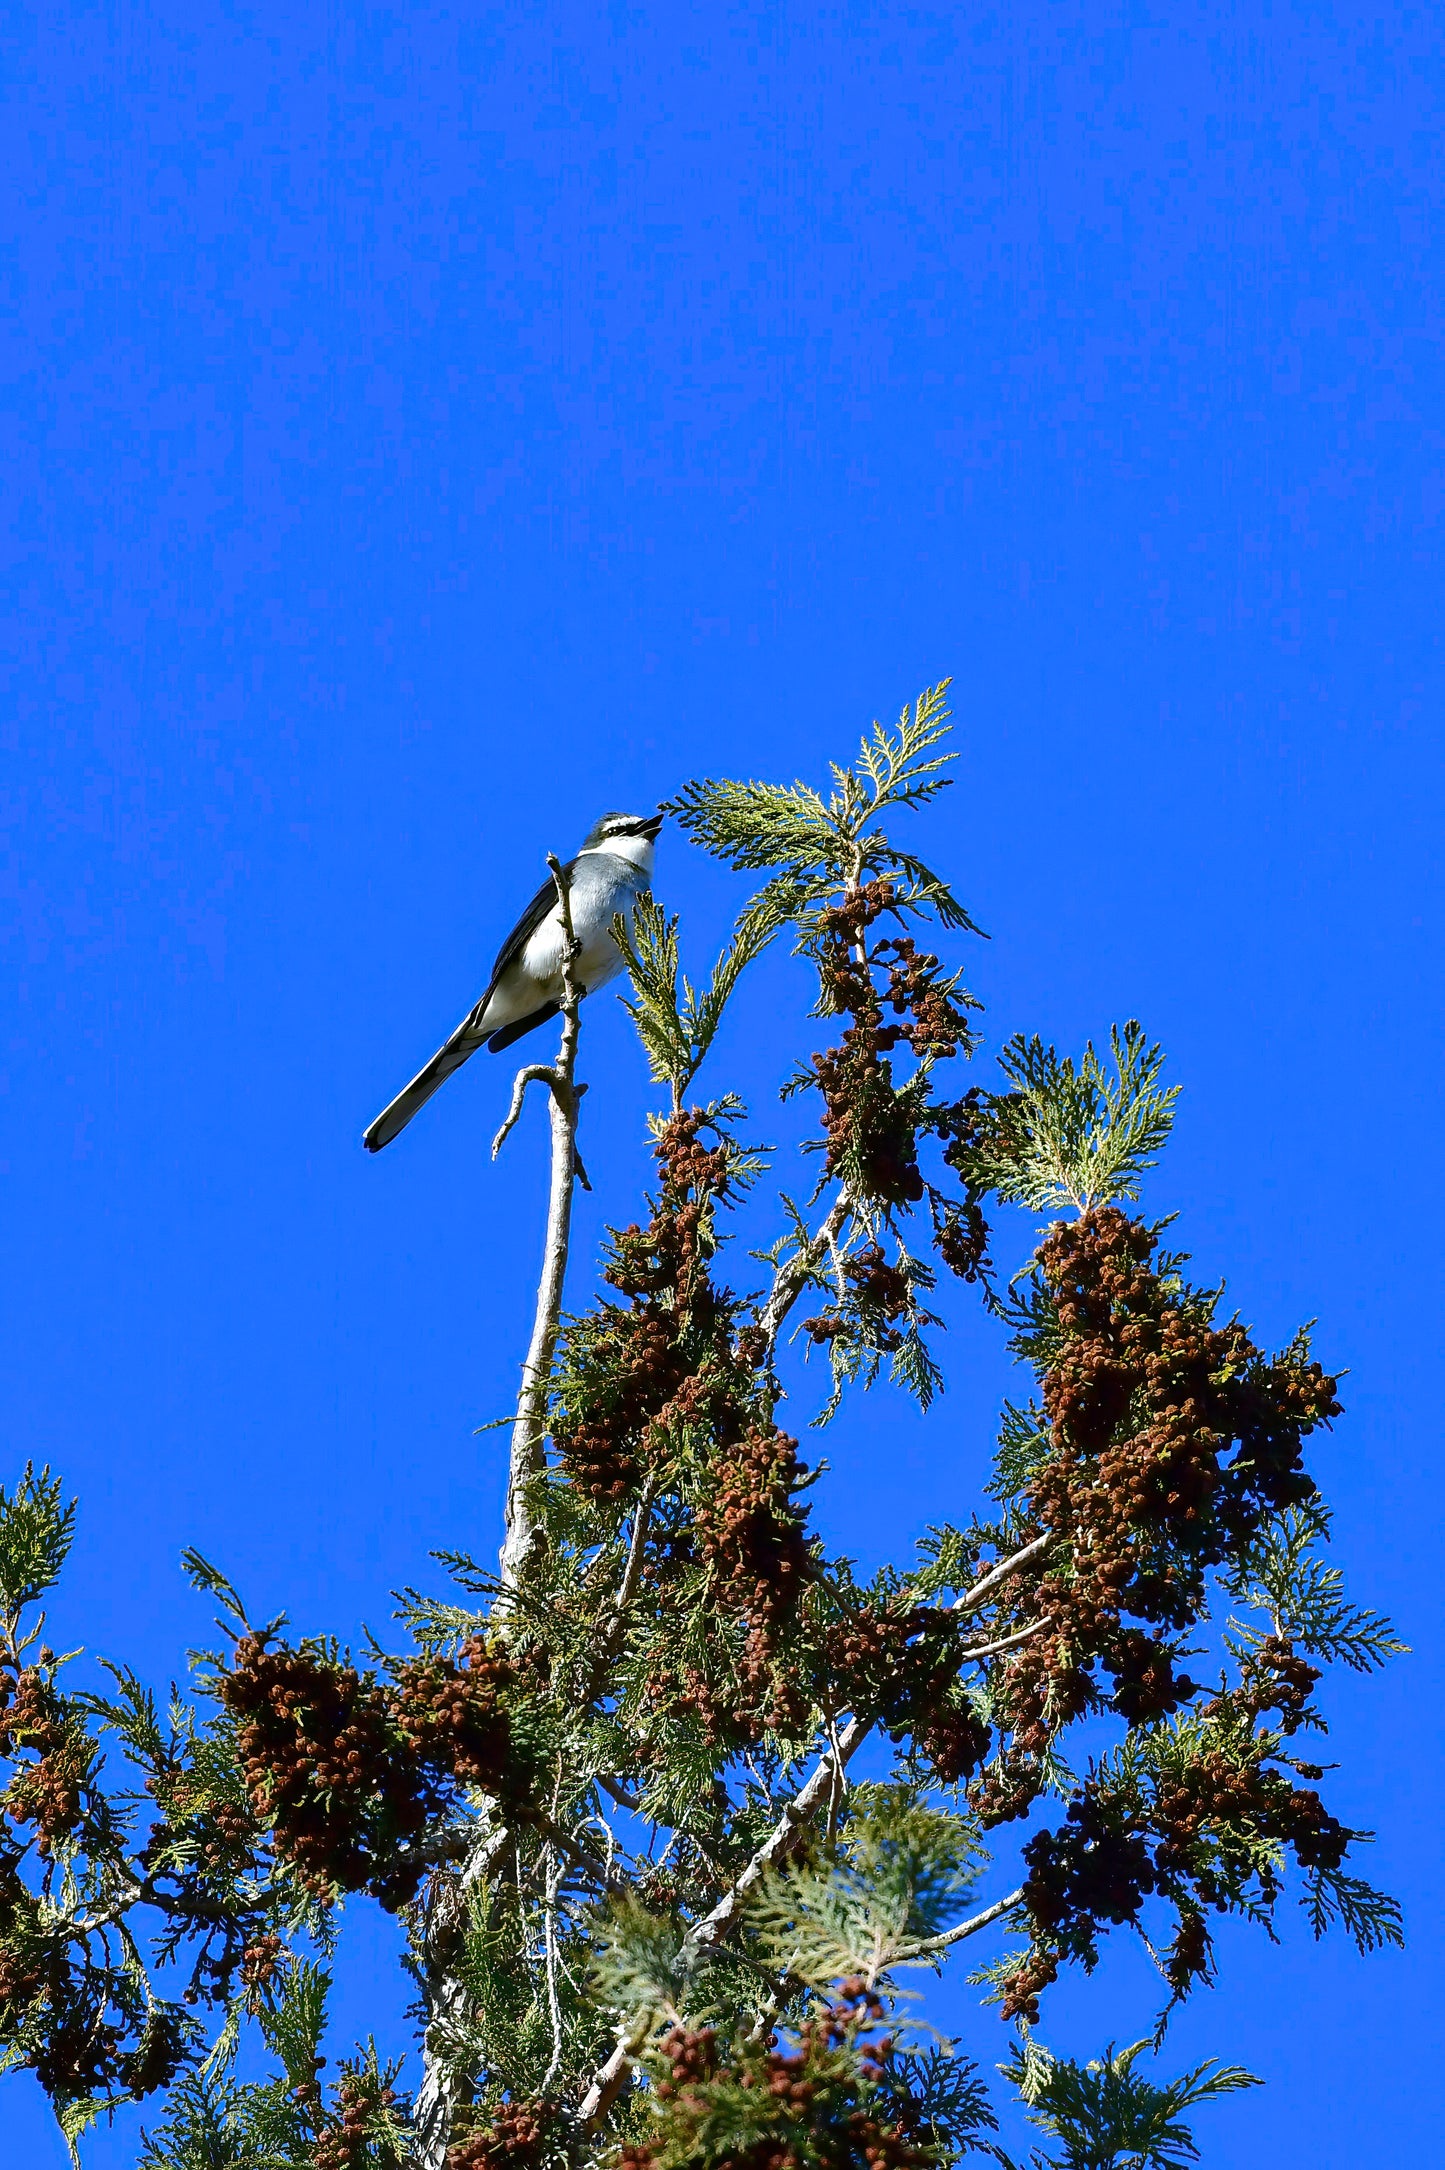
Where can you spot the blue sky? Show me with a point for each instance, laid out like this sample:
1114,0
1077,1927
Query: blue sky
425,427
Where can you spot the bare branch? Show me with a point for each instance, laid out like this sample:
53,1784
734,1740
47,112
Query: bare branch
607,1876
443,1993
620,1794
535,1073
529,1426
141,1891
444,1997
631,1574
809,1797
1002,1569
791,1278
1005,1642
931,1944
610,2079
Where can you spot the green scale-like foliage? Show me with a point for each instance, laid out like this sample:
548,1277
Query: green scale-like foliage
656,1917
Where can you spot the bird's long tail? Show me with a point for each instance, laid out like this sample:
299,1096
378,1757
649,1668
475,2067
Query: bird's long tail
393,1119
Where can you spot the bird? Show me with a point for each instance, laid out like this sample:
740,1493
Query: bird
611,871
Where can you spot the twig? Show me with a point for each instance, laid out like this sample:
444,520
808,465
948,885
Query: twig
536,1073
565,1095
606,1875
627,1588
791,1279
1001,1570
606,1648
142,1891
554,1878
620,1794
1005,1642
810,1796
930,1944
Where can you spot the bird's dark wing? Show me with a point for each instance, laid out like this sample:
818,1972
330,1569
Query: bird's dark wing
527,925
467,1038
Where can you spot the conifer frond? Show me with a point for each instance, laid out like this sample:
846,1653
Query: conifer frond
1282,1573
817,842
467,1573
1104,2113
903,771
944,2098
132,1713
644,1965
755,825
201,2132
1241,1856
1075,1136
915,1367
202,1576
677,1029
949,1556
219,2123
993,1976
1369,1918
900,1875
433,1622
36,1532
650,948
921,889
1024,1442
294,2024
874,1310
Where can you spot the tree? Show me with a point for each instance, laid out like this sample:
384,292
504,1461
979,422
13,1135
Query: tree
655,1916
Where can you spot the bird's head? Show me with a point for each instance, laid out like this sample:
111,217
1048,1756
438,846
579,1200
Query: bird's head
630,836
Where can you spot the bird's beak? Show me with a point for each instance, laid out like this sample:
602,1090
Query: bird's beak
650,828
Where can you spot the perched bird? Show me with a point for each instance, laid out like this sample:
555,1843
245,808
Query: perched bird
611,871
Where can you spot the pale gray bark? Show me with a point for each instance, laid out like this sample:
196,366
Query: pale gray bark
444,1998
443,2088
956,1935
792,1278
564,1101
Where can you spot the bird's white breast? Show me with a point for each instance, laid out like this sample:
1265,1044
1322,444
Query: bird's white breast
599,892
542,957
